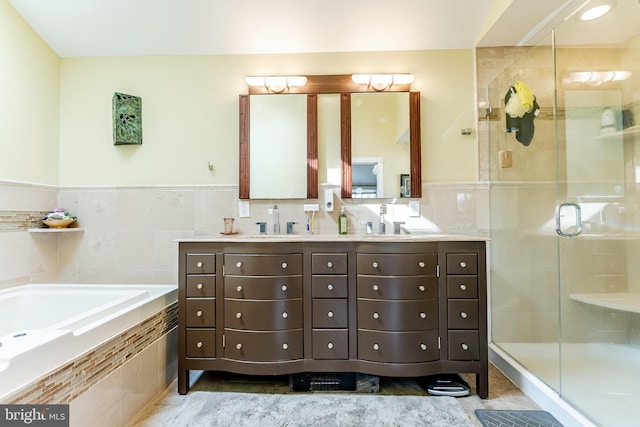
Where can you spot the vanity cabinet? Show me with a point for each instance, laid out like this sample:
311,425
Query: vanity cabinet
403,308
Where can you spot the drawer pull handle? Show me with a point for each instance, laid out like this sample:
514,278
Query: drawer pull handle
463,264
238,346
463,287
285,315
238,315
200,264
423,315
463,315
285,346
239,288
422,288
239,264
330,314
421,264
376,315
329,264
199,286
375,264
199,313
423,346
284,288
330,287
284,265
199,344
330,345
464,346
376,288
376,346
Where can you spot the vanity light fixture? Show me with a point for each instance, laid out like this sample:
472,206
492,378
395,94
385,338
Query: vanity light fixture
381,81
596,10
596,78
276,84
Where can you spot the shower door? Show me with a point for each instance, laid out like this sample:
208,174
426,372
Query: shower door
565,217
598,142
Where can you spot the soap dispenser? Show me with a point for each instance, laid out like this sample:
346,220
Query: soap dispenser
342,221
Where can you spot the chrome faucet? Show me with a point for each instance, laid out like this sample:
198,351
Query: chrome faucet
276,220
382,225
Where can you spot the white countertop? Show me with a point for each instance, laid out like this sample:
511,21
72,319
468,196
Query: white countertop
251,238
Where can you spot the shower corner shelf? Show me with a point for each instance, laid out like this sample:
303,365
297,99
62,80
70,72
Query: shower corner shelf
55,230
634,130
616,301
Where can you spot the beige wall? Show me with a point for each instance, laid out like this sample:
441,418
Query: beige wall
190,112
29,103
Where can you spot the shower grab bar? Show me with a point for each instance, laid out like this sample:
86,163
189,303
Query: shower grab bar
559,214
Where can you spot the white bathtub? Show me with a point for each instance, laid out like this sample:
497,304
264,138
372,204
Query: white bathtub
42,327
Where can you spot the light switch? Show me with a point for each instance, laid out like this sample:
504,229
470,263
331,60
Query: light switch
243,209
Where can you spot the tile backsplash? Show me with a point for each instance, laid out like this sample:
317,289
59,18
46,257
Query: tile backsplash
128,233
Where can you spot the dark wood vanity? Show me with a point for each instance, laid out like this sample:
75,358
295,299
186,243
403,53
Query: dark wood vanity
405,307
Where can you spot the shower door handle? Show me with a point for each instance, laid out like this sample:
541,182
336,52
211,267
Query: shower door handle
561,211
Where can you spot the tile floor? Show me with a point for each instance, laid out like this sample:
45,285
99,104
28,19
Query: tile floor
503,394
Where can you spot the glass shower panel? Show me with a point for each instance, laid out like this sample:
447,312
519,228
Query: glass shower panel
598,103
524,260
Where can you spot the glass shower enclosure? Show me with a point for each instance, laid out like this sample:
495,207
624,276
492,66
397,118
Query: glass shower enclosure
565,214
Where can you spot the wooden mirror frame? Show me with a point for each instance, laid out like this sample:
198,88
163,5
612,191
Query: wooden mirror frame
341,84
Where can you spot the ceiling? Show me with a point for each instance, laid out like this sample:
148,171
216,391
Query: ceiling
75,28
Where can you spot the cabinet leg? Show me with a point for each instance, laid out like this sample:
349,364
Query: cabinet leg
482,384
183,381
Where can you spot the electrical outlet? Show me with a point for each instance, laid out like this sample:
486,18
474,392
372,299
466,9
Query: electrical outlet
414,208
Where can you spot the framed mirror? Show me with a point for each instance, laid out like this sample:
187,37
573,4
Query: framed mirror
335,165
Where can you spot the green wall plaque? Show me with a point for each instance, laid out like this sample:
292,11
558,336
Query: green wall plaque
127,119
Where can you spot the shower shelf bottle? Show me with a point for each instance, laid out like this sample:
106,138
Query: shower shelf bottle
342,222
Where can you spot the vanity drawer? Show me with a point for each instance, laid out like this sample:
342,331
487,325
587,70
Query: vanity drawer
397,264
398,347
330,344
263,265
330,313
263,315
200,312
328,263
263,288
199,285
462,286
201,263
462,314
329,286
263,346
464,345
201,342
462,263
397,315
414,287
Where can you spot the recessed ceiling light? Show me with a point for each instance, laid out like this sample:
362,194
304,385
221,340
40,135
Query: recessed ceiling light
597,10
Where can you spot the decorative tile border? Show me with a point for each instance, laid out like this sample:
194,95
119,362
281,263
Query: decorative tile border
71,380
20,220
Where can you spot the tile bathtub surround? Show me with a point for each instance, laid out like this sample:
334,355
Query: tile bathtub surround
71,380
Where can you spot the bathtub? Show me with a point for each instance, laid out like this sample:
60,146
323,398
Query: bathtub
44,326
